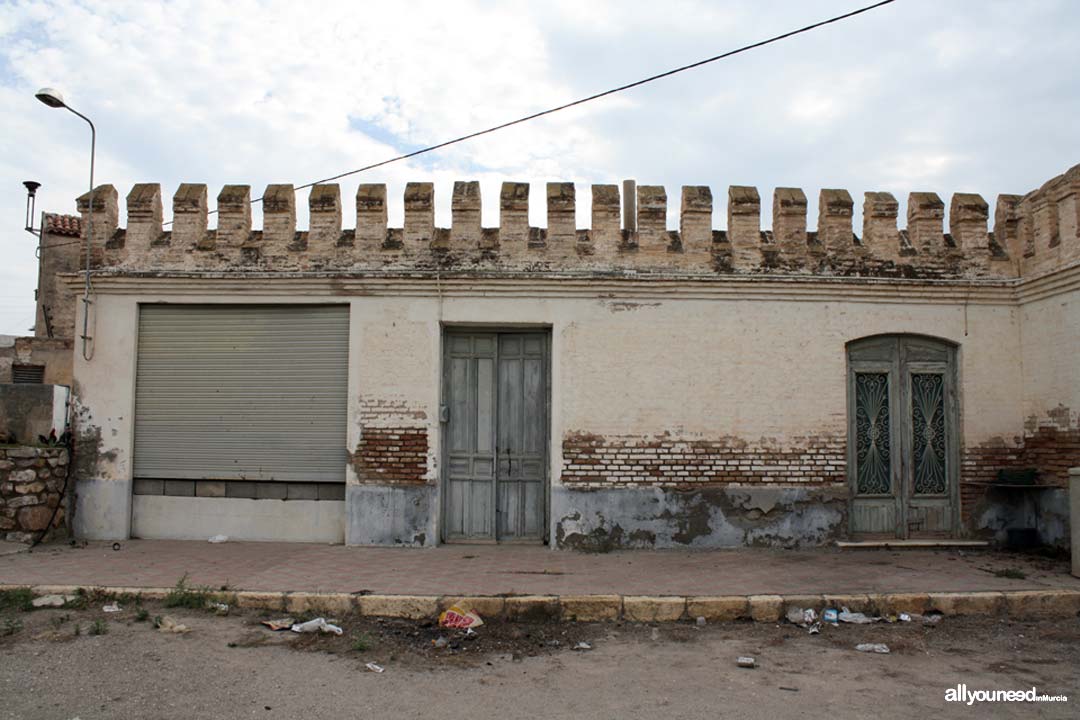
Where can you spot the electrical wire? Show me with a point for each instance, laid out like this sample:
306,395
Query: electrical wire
590,98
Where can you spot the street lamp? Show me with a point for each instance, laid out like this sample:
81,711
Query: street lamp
54,99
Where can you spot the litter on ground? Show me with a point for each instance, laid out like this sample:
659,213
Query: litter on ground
459,618
168,624
746,662
881,648
52,601
315,626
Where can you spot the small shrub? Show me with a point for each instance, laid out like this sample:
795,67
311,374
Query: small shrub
17,599
142,614
57,620
11,626
186,596
362,642
99,627
78,630
1012,573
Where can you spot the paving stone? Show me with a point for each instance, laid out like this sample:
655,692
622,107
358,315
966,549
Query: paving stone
1034,603
647,608
532,608
766,608
590,608
718,608
967,603
415,607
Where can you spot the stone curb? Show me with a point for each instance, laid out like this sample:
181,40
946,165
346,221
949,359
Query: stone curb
631,608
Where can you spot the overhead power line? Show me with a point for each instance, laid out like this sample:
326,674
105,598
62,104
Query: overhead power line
597,96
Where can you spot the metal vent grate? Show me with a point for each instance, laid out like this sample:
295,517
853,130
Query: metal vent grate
29,374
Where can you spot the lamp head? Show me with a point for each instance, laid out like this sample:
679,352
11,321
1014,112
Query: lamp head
50,97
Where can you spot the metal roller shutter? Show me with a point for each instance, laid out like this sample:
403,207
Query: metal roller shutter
241,392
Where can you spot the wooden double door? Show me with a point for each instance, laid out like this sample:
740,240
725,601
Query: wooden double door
495,436
903,438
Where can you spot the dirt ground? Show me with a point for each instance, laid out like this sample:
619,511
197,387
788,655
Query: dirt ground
82,662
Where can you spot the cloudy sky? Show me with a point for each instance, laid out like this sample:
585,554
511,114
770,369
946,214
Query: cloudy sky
957,96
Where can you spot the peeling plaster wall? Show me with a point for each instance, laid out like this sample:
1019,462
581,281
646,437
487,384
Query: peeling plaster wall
718,517
767,371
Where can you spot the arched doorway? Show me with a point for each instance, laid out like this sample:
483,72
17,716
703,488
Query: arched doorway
903,437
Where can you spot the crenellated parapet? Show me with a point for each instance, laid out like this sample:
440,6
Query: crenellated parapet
1035,233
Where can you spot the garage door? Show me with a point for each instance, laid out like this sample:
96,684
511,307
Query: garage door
241,392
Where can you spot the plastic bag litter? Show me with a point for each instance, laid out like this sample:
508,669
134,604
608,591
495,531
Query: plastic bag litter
52,601
219,539
315,626
168,624
375,668
881,648
846,616
829,615
802,617
904,617
112,608
460,618
583,646
221,609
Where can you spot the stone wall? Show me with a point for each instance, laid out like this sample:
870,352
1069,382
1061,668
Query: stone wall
925,248
31,481
53,355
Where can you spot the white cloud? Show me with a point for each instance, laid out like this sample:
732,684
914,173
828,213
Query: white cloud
919,95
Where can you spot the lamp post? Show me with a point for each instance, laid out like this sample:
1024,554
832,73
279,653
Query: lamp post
54,99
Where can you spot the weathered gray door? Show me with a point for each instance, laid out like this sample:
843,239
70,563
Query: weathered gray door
495,436
903,441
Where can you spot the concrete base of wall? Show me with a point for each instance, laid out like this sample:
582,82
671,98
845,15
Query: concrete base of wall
102,510
602,520
1045,510
391,515
198,518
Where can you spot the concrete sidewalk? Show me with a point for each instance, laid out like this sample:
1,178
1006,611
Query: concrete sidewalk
486,570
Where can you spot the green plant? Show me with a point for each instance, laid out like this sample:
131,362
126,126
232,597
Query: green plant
57,620
80,601
362,641
99,627
186,596
11,626
17,599
1012,573
142,614
156,622
78,630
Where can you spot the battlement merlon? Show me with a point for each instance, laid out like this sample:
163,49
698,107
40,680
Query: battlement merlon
1033,234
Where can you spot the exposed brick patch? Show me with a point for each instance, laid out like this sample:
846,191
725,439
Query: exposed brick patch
594,461
392,456
31,479
1049,448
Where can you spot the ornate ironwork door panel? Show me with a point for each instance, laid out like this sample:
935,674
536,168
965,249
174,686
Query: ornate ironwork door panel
495,399
902,437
